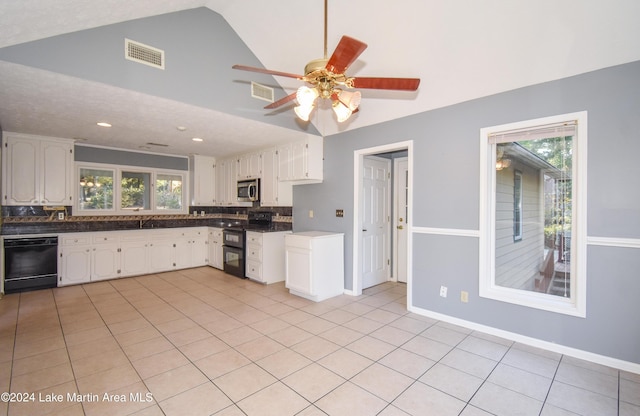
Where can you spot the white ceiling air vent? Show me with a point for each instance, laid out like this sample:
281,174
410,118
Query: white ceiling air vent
261,92
144,54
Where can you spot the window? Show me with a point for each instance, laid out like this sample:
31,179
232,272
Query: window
533,246
95,189
168,192
136,191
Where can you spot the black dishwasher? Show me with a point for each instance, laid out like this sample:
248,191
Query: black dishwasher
30,263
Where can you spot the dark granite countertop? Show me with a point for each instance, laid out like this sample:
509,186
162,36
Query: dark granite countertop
46,225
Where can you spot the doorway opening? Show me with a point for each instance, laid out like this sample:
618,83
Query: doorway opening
382,226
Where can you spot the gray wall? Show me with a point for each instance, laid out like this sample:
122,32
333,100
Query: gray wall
126,158
200,48
446,195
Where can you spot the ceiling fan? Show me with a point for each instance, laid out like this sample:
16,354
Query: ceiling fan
328,80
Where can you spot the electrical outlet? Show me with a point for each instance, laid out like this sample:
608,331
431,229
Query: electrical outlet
310,213
464,296
202,214
443,291
339,213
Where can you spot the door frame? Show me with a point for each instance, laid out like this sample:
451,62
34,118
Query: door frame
395,223
358,161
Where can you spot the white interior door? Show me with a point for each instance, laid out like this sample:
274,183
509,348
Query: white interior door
375,221
401,211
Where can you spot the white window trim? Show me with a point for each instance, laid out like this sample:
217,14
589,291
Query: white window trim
576,304
117,210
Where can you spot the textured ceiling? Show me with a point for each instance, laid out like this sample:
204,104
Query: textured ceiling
461,49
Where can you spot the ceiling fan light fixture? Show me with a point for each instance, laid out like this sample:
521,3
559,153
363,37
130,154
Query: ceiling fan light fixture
303,112
350,99
306,96
342,111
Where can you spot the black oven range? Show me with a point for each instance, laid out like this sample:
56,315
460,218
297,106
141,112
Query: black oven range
234,242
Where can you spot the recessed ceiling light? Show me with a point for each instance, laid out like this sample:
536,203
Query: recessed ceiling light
197,139
181,128
103,124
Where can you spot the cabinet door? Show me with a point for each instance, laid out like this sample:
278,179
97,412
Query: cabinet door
298,160
161,255
75,265
199,251
21,172
202,180
298,273
269,180
56,162
231,183
133,258
105,262
284,162
221,183
183,253
215,248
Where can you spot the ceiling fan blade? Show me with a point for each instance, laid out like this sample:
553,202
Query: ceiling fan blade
282,101
266,71
346,52
402,84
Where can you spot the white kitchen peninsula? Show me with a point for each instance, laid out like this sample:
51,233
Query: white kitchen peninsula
315,264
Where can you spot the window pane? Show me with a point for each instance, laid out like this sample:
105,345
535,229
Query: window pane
95,190
533,215
135,190
169,192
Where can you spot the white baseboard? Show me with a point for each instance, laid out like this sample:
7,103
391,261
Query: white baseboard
534,342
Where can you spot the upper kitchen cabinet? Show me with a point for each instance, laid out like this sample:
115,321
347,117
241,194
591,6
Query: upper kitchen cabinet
273,191
249,166
36,170
301,161
203,180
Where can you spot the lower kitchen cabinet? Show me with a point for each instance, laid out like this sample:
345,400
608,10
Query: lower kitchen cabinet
161,251
134,254
74,261
215,248
265,256
87,257
315,264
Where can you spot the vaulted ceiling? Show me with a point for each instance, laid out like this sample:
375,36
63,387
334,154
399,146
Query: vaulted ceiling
62,66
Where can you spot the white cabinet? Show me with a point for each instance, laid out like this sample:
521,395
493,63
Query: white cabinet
273,191
105,256
265,260
249,166
134,253
202,175
190,248
226,183
215,248
177,248
301,161
87,257
161,249
74,259
314,264
37,170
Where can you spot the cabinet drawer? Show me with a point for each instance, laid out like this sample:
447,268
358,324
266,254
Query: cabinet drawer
254,252
75,240
254,238
254,270
100,239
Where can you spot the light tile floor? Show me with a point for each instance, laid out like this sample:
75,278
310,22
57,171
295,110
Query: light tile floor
199,341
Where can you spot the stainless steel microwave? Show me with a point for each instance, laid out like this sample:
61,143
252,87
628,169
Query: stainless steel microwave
249,190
